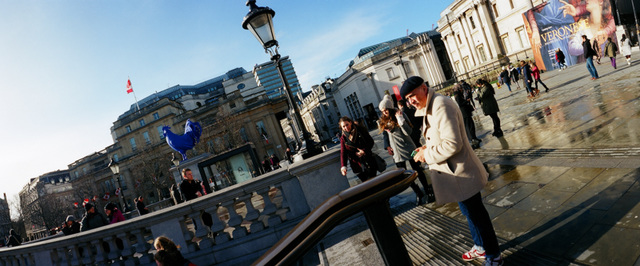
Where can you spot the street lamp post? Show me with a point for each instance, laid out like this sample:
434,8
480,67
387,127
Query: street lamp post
259,21
115,168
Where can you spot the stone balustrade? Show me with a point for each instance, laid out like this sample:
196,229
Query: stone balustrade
232,226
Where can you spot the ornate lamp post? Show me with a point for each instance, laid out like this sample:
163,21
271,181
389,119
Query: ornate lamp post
259,21
115,168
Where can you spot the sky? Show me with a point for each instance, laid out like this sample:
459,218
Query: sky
64,64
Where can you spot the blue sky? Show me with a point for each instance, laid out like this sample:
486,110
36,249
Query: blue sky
64,64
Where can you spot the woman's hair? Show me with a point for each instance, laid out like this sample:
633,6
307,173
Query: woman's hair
388,122
624,37
344,119
164,243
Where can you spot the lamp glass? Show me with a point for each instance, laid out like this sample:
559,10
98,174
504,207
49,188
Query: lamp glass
114,168
261,26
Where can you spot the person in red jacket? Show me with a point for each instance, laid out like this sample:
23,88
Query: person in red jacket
536,76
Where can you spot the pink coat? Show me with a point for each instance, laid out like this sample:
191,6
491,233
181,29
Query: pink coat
536,72
456,172
116,216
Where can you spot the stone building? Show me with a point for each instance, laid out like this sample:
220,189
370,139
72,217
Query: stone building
478,34
319,112
381,67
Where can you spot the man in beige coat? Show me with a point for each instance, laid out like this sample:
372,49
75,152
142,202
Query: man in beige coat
457,174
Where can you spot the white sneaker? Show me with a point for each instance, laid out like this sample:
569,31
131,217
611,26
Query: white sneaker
494,262
473,254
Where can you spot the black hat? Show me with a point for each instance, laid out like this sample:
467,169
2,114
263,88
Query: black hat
88,206
410,84
110,206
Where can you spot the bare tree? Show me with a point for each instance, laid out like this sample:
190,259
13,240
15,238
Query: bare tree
222,131
150,172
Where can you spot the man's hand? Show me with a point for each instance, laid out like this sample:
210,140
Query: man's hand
419,157
390,150
360,153
344,171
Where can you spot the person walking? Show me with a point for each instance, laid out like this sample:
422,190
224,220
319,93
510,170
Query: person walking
610,50
113,214
527,79
457,173
489,105
513,73
504,78
397,129
625,48
142,209
596,48
288,155
416,122
560,59
464,102
536,76
92,218
355,148
588,54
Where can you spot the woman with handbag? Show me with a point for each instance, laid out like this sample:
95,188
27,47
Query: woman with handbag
355,147
395,124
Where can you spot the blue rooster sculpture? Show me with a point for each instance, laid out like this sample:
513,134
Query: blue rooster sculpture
185,142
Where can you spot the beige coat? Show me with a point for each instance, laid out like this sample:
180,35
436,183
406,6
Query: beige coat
456,172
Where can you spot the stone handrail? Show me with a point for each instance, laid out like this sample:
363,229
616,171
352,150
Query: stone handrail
246,219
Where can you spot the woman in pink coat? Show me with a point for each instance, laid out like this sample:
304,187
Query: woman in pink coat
113,214
536,76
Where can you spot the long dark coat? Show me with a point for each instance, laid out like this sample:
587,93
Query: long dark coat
487,100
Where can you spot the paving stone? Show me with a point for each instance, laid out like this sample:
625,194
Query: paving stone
515,222
606,245
574,179
543,200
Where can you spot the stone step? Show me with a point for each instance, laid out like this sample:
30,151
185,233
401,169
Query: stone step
622,152
432,238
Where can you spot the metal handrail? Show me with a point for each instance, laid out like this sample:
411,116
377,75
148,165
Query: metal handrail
334,210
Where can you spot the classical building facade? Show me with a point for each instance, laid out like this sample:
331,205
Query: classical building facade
319,112
479,33
381,67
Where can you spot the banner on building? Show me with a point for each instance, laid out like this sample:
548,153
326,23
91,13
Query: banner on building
558,25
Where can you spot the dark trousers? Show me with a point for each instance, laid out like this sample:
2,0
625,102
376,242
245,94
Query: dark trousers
421,176
497,131
470,127
480,225
540,81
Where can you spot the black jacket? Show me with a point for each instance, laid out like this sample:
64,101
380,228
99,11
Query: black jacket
189,189
13,239
588,50
93,221
69,230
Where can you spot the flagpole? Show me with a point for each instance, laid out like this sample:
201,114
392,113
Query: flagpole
130,86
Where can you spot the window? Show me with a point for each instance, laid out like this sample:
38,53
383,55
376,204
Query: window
128,128
505,43
156,116
407,68
459,40
483,57
473,24
511,3
142,122
466,62
457,63
522,36
160,132
146,137
133,144
232,105
76,174
495,10
115,157
391,74
84,170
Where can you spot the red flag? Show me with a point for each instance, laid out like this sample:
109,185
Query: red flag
106,196
75,205
129,87
117,192
396,92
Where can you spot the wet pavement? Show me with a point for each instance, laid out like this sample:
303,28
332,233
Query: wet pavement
564,180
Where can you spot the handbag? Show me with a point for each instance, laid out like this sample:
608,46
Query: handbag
380,163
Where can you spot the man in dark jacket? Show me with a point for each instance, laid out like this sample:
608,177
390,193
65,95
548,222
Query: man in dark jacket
192,189
92,219
589,53
142,209
13,239
70,226
528,78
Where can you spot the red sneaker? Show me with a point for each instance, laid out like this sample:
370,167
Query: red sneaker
473,254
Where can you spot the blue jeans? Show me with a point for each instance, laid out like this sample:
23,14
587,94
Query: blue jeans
480,225
591,67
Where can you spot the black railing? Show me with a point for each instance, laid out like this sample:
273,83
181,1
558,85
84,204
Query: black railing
370,197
